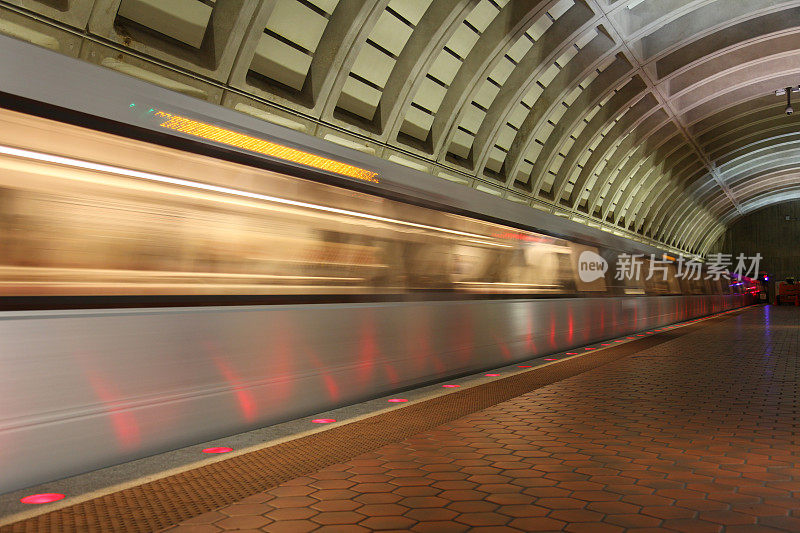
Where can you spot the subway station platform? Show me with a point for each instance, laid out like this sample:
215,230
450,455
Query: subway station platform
688,428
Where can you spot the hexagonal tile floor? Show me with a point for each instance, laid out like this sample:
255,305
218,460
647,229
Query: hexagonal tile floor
695,434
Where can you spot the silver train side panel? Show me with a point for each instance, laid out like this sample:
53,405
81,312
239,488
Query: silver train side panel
81,390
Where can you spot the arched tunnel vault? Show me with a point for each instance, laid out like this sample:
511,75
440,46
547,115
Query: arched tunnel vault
653,119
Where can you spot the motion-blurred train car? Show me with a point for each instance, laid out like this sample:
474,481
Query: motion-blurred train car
173,271
66,231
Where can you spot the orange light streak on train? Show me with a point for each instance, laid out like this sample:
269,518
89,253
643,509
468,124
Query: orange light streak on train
253,144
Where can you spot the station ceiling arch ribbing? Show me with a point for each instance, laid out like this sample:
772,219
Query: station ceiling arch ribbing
656,119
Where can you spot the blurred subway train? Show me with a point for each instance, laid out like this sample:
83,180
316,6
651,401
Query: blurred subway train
69,226
159,294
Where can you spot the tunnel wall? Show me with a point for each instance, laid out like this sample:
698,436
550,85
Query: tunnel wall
767,232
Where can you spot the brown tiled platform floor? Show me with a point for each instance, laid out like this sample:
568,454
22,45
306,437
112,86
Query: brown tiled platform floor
695,434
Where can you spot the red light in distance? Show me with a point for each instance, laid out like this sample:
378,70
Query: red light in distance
605,344
450,386
551,359
524,366
46,497
572,353
492,375
522,237
218,449
324,420
397,400
588,348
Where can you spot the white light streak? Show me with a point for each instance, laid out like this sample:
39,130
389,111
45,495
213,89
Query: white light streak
149,176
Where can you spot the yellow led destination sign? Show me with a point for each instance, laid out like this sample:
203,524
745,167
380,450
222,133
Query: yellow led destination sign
253,144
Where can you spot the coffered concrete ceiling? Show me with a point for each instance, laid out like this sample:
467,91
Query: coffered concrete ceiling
654,119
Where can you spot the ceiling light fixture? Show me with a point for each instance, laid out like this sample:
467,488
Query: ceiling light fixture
788,92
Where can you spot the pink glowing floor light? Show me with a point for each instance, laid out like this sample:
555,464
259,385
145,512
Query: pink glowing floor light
218,449
46,497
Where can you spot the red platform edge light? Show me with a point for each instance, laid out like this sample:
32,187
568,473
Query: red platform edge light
524,366
46,497
218,449
397,400
572,353
450,386
551,359
324,420
492,375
